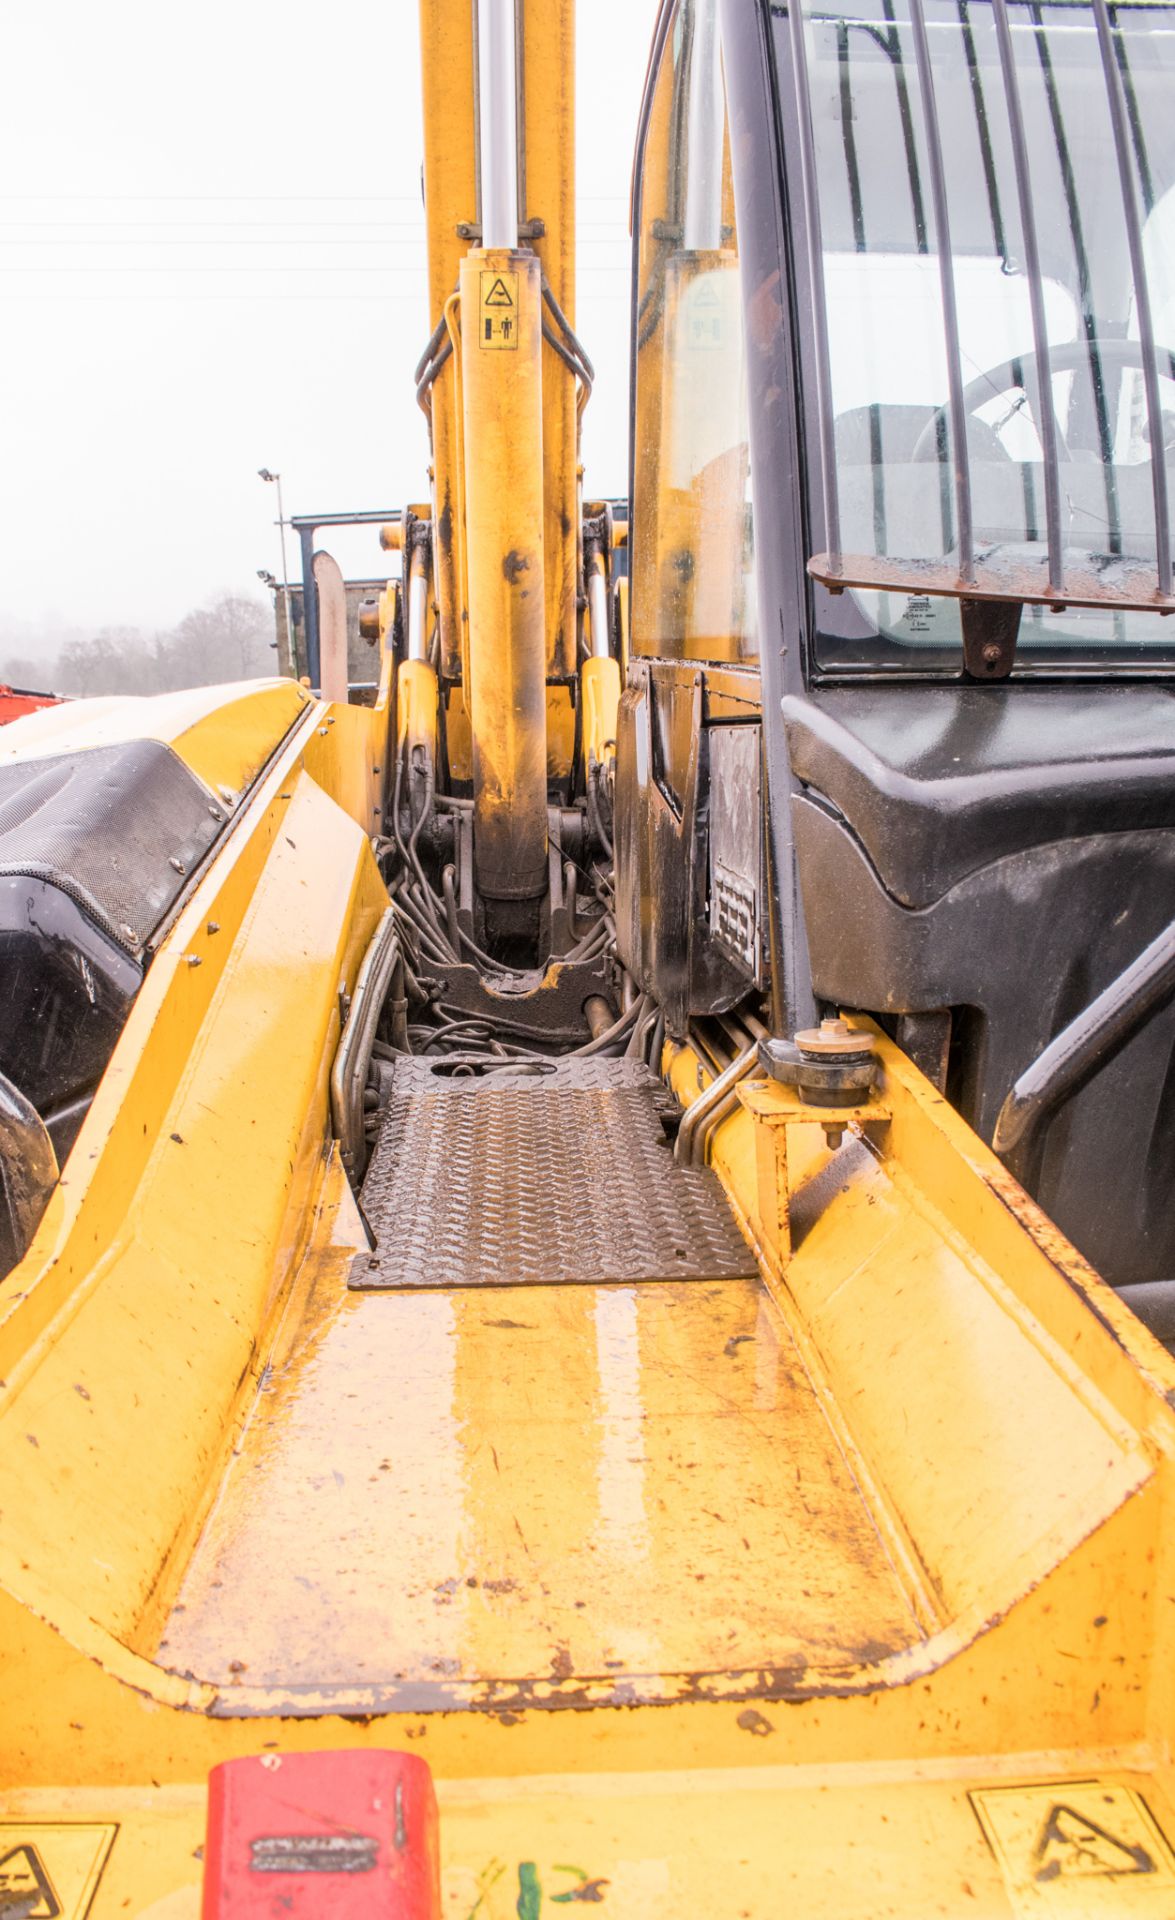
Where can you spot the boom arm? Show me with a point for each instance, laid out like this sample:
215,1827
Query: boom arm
499,134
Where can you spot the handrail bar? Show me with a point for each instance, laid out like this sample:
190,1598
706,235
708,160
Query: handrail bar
1087,1044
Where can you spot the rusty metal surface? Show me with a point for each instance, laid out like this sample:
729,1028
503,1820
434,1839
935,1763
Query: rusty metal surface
1121,582
548,1003
537,1173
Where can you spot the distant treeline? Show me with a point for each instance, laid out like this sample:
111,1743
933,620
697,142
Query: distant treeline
231,638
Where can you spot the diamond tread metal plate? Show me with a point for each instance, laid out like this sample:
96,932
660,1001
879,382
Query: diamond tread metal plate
550,1174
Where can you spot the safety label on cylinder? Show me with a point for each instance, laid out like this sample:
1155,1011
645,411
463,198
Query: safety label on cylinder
497,328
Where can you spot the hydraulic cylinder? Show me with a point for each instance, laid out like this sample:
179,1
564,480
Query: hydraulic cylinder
501,380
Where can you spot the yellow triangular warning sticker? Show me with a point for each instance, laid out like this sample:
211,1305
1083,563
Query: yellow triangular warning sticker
1080,1850
25,1886
1073,1843
51,1870
498,295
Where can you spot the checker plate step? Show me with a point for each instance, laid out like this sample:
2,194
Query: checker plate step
537,1175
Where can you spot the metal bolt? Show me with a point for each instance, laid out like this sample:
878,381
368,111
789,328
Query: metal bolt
214,926
991,654
177,864
194,960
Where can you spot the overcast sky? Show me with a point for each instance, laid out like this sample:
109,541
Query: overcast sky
212,260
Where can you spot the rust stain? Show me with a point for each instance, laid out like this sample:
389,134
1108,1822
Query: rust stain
1049,1238
752,1721
1058,1251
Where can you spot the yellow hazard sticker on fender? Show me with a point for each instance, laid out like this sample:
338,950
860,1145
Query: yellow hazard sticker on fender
497,322
51,1872
1084,1849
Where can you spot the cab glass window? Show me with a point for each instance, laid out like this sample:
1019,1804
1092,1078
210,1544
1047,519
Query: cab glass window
895,460
693,594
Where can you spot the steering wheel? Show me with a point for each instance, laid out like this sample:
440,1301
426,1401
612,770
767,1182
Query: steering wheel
1067,357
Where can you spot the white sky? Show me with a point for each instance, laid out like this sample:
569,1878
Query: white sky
212,260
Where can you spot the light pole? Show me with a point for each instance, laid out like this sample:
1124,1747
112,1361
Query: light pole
275,479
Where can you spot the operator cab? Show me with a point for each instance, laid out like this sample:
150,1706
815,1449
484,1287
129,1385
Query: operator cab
900,552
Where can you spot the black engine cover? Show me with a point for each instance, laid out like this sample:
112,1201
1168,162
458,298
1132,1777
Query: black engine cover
95,849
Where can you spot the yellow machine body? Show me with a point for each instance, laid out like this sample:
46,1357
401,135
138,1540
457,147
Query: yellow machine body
647,1574
843,1587
831,1594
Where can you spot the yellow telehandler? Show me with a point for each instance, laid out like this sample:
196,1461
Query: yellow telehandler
588,1254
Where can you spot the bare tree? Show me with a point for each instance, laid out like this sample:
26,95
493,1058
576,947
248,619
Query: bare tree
230,638
227,640
116,660
20,671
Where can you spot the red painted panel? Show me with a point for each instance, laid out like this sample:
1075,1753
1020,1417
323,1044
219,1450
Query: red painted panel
14,703
303,1836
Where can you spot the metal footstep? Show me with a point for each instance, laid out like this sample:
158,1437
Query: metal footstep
494,1173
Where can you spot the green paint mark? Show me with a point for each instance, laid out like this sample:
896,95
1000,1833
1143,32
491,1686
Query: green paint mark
530,1894
591,1891
575,1893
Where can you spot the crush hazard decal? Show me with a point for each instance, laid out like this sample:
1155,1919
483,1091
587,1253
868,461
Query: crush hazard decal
497,320
1084,1849
51,1872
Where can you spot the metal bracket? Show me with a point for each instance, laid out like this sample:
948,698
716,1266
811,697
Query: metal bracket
779,1109
470,231
991,629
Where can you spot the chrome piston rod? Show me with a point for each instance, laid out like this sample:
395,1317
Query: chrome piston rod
498,128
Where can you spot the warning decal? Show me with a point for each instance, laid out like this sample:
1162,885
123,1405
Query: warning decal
51,1872
1087,1849
497,321
705,315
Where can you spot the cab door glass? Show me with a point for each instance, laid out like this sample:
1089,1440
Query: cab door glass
693,594
893,449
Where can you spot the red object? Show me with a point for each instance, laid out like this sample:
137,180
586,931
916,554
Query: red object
322,1836
14,702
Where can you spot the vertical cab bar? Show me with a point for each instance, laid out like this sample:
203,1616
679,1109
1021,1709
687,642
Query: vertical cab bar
811,193
1046,410
950,312
1142,301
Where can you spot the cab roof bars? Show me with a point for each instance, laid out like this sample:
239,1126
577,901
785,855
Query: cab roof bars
991,584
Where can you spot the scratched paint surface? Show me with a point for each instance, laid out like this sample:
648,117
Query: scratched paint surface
542,1485
748,1844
